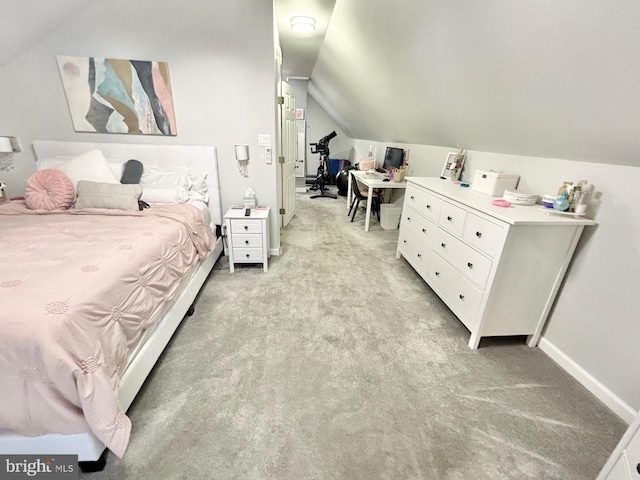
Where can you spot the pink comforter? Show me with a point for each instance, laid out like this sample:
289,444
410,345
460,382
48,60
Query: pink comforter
77,291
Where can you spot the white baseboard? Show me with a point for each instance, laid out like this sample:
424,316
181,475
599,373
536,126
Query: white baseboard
606,396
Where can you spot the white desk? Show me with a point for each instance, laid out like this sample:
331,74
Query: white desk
371,182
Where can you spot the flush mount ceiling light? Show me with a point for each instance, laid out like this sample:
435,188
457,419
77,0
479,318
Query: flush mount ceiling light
303,24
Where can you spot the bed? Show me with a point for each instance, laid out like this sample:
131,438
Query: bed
82,384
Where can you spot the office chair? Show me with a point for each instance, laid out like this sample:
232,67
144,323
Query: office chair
359,196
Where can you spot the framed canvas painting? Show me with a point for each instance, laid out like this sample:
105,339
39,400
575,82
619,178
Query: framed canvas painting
108,95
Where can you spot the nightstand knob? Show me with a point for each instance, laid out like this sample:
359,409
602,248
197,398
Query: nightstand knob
461,297
246,227
478,234
247,255
469,264
246,242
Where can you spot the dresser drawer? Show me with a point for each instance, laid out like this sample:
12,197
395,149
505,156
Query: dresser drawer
246,226
459,294
247,255
415,251
419,226
423,202
483,235
470,263
247,240
452,218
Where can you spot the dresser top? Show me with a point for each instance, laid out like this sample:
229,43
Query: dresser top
514,214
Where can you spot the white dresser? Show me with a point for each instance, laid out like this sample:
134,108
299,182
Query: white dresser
248,236
498,269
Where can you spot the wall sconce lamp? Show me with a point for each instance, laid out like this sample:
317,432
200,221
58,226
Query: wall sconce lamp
8,145
242,157
303,24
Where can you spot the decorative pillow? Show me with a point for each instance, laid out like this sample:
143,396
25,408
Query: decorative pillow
91,166
108,195
49,190
132,172
156,178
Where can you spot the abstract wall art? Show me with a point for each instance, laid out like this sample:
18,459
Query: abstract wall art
108,95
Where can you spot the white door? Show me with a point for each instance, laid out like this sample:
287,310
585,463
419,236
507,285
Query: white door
289,144
302,148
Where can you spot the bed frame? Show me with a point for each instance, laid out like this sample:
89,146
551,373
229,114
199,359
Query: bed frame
91,452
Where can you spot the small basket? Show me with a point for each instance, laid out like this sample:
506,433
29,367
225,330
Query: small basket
398,175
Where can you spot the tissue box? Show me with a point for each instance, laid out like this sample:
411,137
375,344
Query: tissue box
493,183
366,164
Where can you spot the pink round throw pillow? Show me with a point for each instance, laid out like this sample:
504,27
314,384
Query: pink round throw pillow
49,190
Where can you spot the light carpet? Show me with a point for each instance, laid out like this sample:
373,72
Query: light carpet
341,363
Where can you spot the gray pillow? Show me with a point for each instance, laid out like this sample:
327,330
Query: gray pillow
132,172
107,195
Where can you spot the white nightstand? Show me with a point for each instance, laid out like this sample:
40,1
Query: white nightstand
248,236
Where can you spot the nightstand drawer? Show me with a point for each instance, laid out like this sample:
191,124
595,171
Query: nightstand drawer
246,226
247,255
247,241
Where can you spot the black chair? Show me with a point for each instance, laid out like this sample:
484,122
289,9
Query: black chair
358,196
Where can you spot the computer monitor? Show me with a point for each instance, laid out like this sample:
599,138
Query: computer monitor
393,158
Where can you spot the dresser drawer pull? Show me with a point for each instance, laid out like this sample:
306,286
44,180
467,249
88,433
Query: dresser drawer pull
469,264
461,297
419,255
638,468
424,230
247,255
408,219
443,245
246,227
428,207
449,219
246,242
437,274
412,197
478,234
404,241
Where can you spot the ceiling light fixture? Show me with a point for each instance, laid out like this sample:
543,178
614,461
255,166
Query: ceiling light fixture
303,24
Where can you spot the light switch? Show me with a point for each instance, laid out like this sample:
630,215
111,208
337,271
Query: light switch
267,156
264,140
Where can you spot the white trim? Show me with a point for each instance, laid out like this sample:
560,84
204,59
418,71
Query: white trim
606,396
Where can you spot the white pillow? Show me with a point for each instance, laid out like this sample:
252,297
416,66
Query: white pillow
164,195
156,178
91,166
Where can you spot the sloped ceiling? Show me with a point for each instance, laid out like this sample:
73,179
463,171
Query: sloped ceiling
26,22
533,77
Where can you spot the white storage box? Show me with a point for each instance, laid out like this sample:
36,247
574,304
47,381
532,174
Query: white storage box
390,216
491,182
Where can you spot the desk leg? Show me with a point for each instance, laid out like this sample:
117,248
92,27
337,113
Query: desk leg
366,221
349,191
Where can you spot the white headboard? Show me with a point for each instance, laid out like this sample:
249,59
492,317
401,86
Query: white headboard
168,157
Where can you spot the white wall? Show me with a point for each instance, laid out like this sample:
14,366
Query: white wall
221,61
319,125
593,329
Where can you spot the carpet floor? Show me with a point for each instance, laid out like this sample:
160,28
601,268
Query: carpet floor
340,363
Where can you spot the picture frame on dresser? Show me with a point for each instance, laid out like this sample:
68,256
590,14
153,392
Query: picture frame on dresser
452,158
